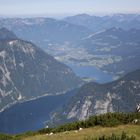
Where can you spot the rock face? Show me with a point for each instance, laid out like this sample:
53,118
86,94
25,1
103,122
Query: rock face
138,108
27,72
122,95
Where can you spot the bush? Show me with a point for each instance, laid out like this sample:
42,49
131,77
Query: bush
106,120
113,137
5,137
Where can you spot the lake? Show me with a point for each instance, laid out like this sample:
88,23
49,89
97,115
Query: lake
31,115
91,72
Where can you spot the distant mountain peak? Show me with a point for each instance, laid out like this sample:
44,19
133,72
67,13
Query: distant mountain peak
6,34
78,18
81,15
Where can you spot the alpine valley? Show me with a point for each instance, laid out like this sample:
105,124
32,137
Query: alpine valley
93,46
56,71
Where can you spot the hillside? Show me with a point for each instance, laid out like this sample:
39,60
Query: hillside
94,132
118,124
93,98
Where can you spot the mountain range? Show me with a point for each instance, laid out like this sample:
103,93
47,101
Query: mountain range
112,36
45,31
97,23
48,31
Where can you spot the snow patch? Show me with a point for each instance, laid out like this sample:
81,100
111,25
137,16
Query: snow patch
104,105
11,43
19,97
3,54
21,65
72,113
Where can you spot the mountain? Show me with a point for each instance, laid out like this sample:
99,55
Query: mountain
45,31
93,98
97,23
88,21
114,49
49,32
109,52
27,72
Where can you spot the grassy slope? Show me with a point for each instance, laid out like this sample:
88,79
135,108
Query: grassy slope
91,132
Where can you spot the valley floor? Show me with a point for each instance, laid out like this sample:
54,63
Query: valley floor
94,132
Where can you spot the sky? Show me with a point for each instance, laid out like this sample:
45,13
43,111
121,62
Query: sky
66,7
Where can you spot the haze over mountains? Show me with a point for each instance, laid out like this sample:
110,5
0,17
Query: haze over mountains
96,23
44,56
45,31
73,41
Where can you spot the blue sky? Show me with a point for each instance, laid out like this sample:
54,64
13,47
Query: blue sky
66,7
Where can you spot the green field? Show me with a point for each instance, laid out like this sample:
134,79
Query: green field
94,132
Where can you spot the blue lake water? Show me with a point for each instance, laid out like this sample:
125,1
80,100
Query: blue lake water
31,115
92,72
